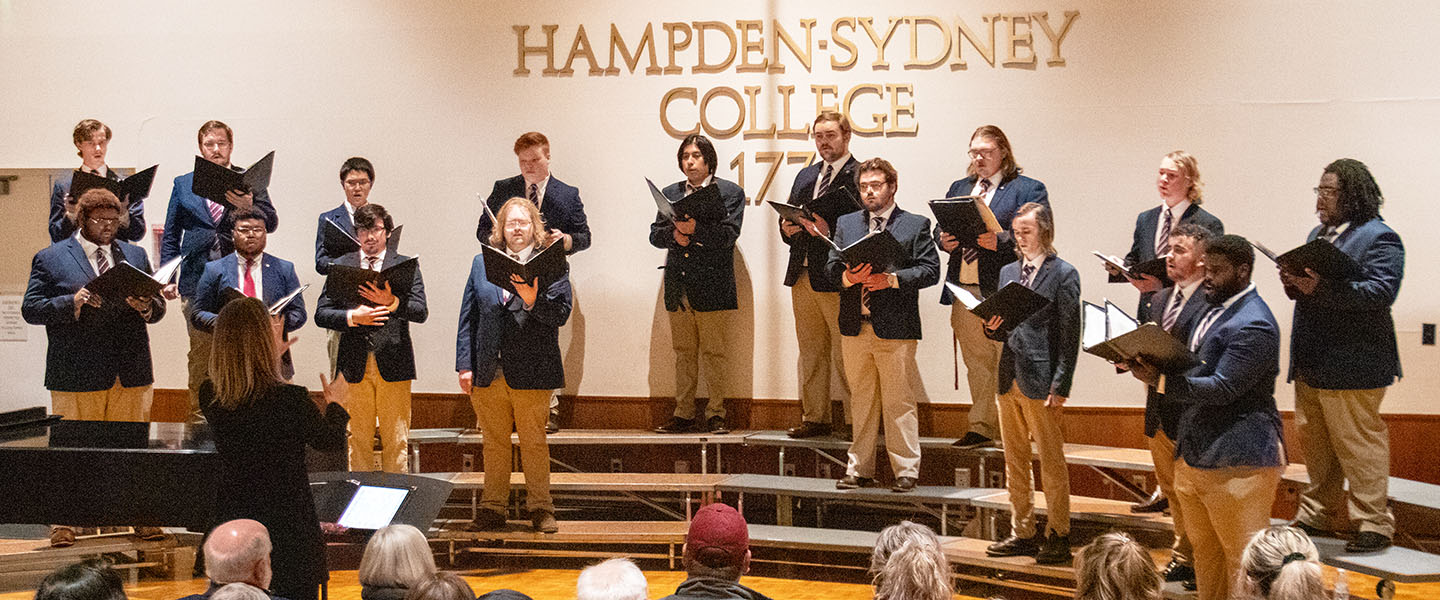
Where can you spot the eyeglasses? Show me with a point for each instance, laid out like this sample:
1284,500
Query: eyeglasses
106,222
356,182
1327,192
249,230
873,185
981,152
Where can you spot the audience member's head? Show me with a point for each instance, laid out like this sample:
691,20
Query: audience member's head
239,552
239,591
1281,563
89,580
1116,567
397,556
892,538
718,543
917,570
614,579
443,585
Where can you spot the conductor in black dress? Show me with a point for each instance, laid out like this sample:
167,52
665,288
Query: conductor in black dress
261,426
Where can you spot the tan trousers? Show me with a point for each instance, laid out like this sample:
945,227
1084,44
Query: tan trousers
499,408
817,328
699,337
1223,508
879,373
982,363
1162,453
1023,419
115,404
374,398
1345,440
197,361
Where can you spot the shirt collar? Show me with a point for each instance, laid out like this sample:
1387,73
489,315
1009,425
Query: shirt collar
524,253
703,184
1176,211
1036,262
1189,290
103,171
884,214
837,164
1339,229
1231,300
349,209
364,262
87,245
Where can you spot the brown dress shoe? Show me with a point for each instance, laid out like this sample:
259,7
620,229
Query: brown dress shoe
150,534
62,537
544,521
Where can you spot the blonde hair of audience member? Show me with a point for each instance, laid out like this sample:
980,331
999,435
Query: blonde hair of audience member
614,579
397,556
537,224
244,361
1191,168
1280,563
892,538
443,585
239,591
917,570
1116,567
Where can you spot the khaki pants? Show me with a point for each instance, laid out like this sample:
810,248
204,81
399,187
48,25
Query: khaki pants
499,408
370,398
817,328
114,404
1223,508
879,373
982,362
197,361
1345,440
1022,419
1162,453
699,337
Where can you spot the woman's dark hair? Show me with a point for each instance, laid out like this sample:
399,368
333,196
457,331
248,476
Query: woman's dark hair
1360,197
89,580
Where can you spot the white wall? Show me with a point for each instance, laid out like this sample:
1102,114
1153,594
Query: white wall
1264,93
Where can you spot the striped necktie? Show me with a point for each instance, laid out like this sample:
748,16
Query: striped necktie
1162,242
825,181
1172,312
1027,276
970,254
102,264
534,195
217,211
1203,327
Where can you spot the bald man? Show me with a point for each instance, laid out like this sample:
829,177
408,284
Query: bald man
237,552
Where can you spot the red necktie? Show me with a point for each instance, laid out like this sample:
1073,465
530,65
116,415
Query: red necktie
249,288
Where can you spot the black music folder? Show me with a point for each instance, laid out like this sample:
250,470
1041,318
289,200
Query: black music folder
1014,303
1319,255
965,217
545,265
231,294
880,249
343,282
122,281
1111,334
130,189
337,238
212,180
703,205
1154,267
828,206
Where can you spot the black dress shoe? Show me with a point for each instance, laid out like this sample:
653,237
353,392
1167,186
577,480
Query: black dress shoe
676,425
808,429
1178,572
552,424
851,482
1055,550
1014,546
1368,541
903,484
1311,530
972,440
1157,502
487,520
1189,586
716,425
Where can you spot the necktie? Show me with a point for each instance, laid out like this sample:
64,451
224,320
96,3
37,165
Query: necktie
877,223
970,254
217,211
825,181
1027,275
1204,327
249,287
1331,233
371,262
102,264
1172,312
534,195
689,189
1162,243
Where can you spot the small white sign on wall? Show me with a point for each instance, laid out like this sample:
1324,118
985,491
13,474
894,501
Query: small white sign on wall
12,326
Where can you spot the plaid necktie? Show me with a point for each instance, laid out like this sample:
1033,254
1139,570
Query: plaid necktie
1027,275
249,287
1162,243
970,254
1172,312
825,181
102,264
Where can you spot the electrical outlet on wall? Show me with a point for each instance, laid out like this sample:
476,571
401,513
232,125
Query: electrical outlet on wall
789,469
467,463
616,466
962,477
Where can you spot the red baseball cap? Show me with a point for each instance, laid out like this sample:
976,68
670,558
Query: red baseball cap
718,536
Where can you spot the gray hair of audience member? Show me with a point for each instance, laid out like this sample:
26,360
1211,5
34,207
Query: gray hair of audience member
917,570
239,552
1114,566
443,585
89,580
1281,563
614,579
239,591
396,556
892,538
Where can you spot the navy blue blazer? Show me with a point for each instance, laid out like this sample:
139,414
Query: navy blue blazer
1142,248
191,232
61,227
325,256
525,344
894,312
1229,417
1039,354
804,246
394,354
1159,413
1014,192
561,208
277,278
1343,336
86,355
703,272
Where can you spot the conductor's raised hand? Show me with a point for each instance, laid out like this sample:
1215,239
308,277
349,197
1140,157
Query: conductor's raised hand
332,392
526,291
379,295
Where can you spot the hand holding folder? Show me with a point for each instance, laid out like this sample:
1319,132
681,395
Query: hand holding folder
1011,305
704,204
965,217
1154,268
129,190
1117,337
354,286
540,270
222,185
